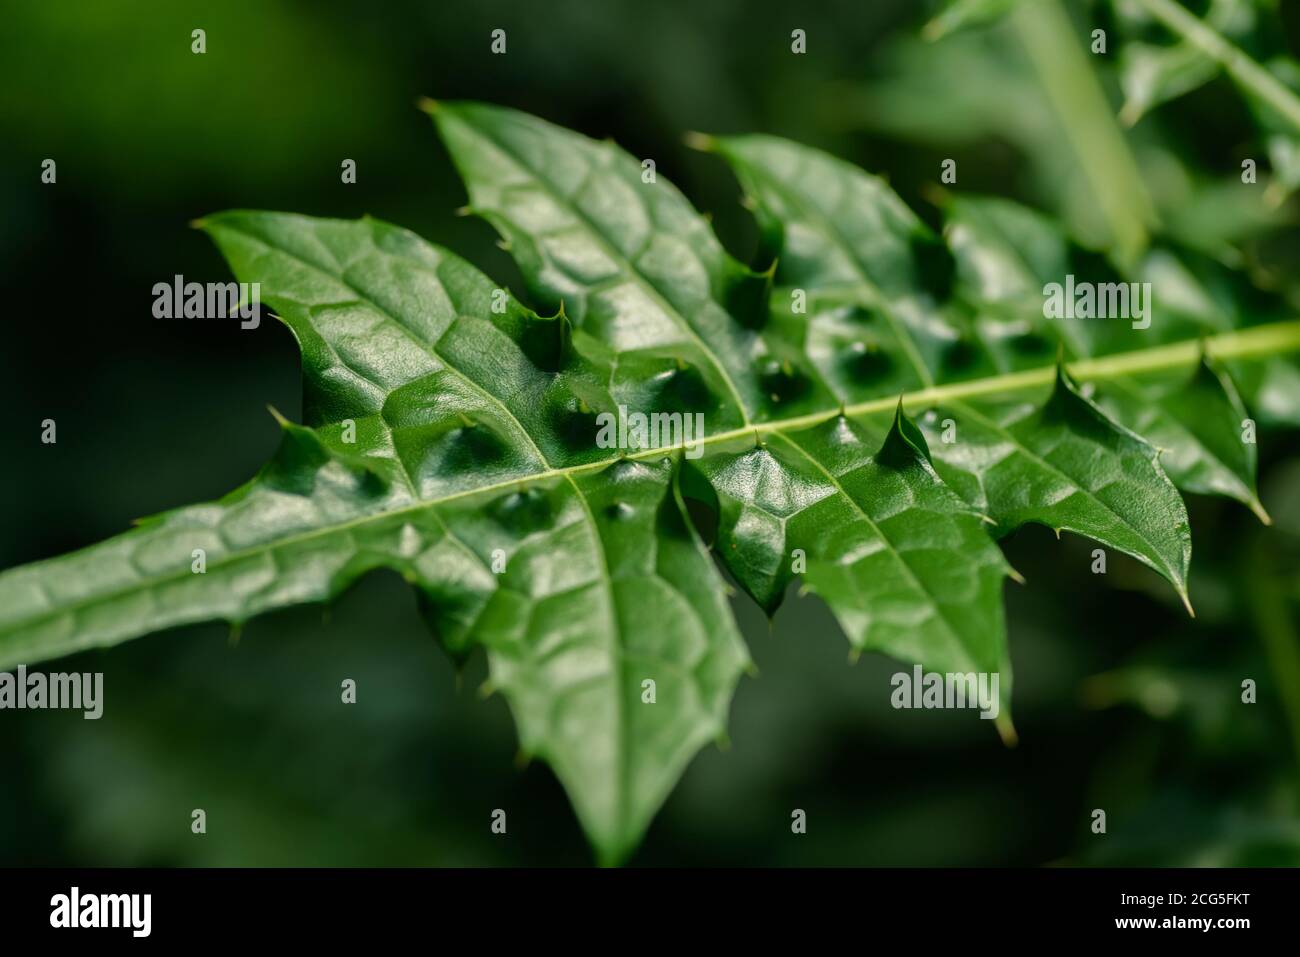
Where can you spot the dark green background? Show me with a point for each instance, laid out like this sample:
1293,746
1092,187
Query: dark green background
1121,703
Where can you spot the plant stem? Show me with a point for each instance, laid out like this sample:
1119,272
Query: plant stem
1242,68
1087,122
1275,338
1259,341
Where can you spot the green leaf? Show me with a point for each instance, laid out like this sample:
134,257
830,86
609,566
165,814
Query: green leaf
632,263
1151,74
586,561
454,436
872,533
875,557
1069,467
1065,465
562,579
1198,421
1037,92
962,14
1273,388
1004,251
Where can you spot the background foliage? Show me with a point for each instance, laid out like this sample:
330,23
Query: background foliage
1121,702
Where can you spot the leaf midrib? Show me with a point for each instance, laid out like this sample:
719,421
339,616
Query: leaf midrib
1265,340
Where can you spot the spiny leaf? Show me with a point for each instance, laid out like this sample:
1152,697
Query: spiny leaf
1004,252
875,530
1197,420
452,436
635,265
1065,465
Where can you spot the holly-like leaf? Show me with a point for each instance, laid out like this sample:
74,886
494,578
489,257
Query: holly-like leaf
463,477
864,518
461,439
1062,463
1069,467
1005,251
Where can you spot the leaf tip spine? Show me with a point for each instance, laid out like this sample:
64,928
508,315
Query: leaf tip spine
280,420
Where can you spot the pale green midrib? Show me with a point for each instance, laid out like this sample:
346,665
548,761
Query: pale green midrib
1245,70
1257,341
617,257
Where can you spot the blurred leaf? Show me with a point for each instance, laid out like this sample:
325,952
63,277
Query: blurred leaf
958,14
